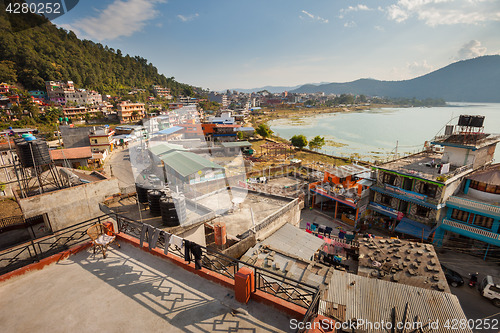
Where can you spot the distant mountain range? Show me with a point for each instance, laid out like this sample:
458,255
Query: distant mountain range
274,89
473,80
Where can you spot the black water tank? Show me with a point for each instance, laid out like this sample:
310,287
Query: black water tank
142,193
154,202
32,153
168,212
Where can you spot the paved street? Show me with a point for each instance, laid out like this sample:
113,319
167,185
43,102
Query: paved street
119,162
474,305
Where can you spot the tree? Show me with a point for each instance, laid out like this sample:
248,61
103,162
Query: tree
299,141
317,143
240,135
264,131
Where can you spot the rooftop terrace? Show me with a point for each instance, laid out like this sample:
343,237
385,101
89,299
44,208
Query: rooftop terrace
129,291
424,165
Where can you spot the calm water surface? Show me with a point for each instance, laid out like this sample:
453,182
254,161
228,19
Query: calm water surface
373,134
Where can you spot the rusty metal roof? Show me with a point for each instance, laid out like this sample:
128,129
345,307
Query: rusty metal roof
373,300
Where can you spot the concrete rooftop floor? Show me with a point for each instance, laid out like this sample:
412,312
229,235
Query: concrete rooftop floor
238,218
129,291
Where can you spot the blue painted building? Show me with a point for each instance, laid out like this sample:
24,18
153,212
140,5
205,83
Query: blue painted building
411,192
472,219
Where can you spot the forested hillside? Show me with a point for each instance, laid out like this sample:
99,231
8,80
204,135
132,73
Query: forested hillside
32,56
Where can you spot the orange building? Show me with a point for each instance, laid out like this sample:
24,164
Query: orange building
343,191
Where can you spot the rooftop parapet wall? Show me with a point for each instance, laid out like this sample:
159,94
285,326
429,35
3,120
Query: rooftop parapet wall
71,205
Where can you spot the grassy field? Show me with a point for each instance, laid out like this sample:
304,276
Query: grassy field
308,158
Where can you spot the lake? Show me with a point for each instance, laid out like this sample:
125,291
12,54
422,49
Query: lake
373,134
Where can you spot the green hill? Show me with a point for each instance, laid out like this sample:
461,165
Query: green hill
45,52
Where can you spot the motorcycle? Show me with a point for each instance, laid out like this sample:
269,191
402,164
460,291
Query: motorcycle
473,280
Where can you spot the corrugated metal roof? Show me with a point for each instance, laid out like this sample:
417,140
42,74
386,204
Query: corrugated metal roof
164,148
170,130
288,252
294,241
343,171
186,163
372,300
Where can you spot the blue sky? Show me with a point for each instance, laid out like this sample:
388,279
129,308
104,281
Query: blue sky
221,44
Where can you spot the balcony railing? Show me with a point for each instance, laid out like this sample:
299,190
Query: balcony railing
288,289
38,249
291,290
472,229
474,204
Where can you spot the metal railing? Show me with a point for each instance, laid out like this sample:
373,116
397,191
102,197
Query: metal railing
474,204
38,249
280,286
11,220
472,229
311,313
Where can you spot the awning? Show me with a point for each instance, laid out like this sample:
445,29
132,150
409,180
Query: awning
365,182
404,197
413,228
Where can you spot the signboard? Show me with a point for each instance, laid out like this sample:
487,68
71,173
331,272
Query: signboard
383,209
409,194
400,216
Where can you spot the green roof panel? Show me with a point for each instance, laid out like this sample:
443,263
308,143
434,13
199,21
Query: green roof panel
187,163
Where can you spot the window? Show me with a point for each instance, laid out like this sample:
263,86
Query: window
481,187
389,178
407,183
459,215
495,289
490,188
422,211
429,189
483,221
403,206
385,199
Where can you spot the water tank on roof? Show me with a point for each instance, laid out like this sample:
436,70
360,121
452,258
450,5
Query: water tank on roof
180,205
154,202
34,152
142,193
168,213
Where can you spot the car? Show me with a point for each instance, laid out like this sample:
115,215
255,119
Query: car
154,179
490,288
454,279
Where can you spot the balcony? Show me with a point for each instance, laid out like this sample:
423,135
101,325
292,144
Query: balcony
410,196
472,230
348,196
474,205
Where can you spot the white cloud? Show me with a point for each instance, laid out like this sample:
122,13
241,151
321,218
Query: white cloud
350,24
355,8
470,50
316,18
419,68
445,12
120,18
379,28
188,18
359,7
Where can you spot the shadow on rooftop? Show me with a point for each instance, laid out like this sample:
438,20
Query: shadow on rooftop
181,298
